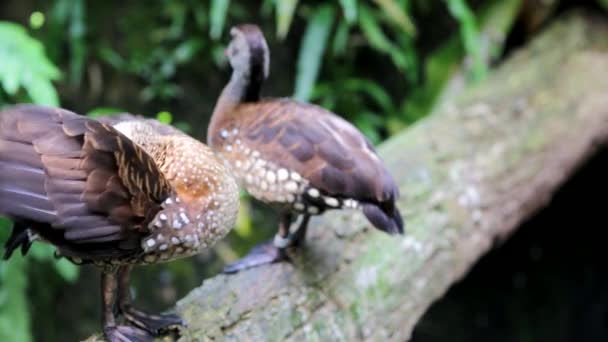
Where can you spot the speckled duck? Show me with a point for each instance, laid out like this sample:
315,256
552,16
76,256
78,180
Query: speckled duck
114,192
296,156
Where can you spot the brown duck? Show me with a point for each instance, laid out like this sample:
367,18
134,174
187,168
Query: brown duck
113,192
297,156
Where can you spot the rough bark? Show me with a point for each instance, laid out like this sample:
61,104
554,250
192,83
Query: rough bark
469,174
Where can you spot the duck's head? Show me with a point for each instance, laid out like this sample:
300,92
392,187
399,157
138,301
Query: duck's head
248,51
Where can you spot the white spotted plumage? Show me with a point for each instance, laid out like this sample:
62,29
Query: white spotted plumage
179,228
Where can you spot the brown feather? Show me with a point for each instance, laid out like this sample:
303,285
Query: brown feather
93,191
74,182
327,150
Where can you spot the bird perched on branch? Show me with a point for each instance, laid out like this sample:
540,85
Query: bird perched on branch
297,156
114,192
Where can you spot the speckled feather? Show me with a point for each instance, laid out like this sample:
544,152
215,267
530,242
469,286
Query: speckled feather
325,150
99,191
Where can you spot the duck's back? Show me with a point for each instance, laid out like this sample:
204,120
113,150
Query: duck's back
273,143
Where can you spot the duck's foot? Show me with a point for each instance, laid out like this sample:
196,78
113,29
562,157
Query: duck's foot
154,324
262,254
125,333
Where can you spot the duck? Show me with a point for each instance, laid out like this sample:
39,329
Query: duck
113,192
297,157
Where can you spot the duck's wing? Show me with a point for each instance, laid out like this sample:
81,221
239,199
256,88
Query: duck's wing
325,149
76,180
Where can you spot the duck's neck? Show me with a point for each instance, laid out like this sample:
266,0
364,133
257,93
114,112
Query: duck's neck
244,86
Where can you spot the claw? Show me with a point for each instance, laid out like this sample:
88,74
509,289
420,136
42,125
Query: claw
123,333
263,254
154,324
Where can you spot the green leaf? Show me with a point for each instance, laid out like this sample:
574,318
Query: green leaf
285,10
368,123
403,56
496,21
470,36
349,7
15,322
68,271
199,12
243,226
41,91
398,15
111,57
183,126
24,64
341,38
266,7
77,31
164,117
373,90
42,252
37,20
67,24
311,51
372,31
104,111
186,50
11,79
217,13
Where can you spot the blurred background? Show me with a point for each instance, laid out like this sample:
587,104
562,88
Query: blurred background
382,64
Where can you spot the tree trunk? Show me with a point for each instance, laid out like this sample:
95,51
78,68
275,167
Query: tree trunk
469,174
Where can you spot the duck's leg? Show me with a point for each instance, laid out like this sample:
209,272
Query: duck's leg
154,324
112,331
298,238
272,251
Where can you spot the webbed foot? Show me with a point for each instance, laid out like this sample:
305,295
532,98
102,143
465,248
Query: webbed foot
125,333
262,254
154,324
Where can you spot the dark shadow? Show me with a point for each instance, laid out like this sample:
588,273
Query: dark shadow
548,282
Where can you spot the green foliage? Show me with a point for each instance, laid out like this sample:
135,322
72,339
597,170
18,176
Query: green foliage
103,111
244,225
285,10
69,16
349,7
25,66
219,9
390,30
312,50
398,15
46,253
154,57
14,311
177,34
470,35
37,19
164,117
